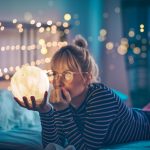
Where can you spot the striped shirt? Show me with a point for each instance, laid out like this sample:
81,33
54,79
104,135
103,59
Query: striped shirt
101,120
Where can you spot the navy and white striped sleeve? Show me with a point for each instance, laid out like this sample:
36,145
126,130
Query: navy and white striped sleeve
50,133
100,111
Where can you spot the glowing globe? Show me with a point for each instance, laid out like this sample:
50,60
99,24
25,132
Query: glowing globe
29,81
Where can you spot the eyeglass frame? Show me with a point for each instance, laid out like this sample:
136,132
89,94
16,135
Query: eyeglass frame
62,74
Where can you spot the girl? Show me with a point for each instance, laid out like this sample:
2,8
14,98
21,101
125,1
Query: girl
82,111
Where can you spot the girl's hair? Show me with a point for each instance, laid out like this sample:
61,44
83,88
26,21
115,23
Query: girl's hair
77,57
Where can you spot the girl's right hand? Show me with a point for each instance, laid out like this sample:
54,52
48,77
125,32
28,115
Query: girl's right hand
60,98
42,108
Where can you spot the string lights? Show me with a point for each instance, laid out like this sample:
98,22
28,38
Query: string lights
42,45
124,46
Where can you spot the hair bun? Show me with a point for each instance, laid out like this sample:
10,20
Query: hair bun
80,41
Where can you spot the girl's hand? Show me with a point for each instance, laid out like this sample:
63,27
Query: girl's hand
60,98
147,107
43,107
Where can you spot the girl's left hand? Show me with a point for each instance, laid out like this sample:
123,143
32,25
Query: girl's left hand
147,107
60,98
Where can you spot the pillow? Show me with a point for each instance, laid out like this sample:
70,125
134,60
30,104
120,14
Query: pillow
12,115
122,96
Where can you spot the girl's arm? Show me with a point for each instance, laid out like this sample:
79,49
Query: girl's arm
50,131
100,111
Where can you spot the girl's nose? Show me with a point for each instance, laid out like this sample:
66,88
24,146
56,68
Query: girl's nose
58,82
59,76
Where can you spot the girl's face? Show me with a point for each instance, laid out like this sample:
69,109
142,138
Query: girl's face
71,80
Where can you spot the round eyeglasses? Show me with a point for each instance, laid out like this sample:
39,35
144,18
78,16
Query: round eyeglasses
66,75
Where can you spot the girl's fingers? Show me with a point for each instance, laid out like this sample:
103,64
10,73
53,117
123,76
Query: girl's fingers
57,95
67,95
51,100
33,102
60,96
54,98
45,95
33,105
19,102
45,99
26,102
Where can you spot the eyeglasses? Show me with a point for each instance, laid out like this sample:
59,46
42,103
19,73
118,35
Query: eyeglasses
66,75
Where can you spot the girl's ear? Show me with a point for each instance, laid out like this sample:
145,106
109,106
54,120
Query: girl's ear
87,78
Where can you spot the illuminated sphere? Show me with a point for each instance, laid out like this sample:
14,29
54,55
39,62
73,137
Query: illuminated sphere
30,81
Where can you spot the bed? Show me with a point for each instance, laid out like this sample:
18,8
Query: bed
30,139
20,128
21,139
